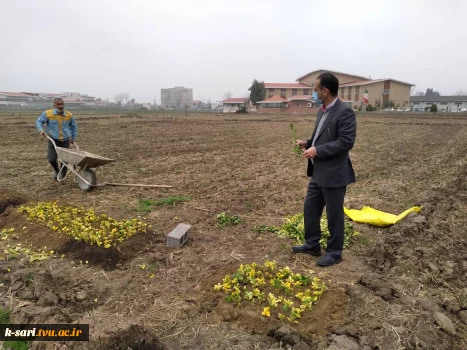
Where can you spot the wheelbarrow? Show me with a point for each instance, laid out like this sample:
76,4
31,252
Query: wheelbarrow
80,163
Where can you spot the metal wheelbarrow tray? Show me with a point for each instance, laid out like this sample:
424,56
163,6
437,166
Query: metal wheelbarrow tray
79,163
81,158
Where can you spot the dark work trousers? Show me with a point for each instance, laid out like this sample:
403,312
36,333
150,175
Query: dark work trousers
316,198
52,154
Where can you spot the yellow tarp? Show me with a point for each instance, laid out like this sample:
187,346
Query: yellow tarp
375,217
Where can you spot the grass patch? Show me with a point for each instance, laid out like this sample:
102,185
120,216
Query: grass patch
14,345
4,316
227,220
172,200
28,278
10,175
146,205
262,229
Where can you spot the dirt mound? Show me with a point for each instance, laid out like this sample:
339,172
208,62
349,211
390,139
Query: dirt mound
109,259
8,197
58,292
40,236
110,333
330,310
431,245
419,271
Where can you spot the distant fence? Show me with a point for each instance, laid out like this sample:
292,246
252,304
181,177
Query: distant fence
411,113
37,109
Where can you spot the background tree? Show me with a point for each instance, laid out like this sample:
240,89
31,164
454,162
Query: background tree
121,98
431,92
257,91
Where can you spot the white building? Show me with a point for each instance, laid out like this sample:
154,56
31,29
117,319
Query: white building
444,103
14,98
23,99
177,97
76,99
231,105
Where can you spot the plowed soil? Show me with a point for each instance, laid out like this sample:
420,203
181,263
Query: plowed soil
384,295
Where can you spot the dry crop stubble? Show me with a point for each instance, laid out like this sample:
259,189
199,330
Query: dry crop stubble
245,166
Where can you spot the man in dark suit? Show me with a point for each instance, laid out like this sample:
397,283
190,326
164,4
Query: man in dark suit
330,170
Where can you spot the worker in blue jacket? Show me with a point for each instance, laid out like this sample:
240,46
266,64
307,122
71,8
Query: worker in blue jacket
61,127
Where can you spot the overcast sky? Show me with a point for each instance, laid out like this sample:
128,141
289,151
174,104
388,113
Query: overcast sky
102,48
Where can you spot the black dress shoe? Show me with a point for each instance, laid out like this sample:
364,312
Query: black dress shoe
306,250
329,260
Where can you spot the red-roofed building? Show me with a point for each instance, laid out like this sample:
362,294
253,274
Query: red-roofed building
382,92
286,90
13,94
233,104
300,98
14,98
293,104
310,78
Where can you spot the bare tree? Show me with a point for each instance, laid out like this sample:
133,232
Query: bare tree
432,92
419,93
121,97
227,95
461,92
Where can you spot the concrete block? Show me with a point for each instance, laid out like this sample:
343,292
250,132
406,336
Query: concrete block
178,237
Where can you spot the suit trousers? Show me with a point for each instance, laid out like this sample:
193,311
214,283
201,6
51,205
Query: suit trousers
316,198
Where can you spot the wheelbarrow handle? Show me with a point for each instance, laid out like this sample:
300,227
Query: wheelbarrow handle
55,146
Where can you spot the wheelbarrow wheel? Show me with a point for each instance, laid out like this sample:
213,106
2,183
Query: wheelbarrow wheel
89,176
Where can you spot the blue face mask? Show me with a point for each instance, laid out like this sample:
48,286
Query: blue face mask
316,99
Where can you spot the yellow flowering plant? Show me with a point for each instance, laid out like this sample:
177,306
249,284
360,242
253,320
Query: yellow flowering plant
289,294
83,225
13,251
7,233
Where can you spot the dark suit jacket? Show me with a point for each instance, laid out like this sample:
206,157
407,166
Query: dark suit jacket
332,167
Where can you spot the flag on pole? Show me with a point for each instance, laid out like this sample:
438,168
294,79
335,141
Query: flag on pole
365,97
